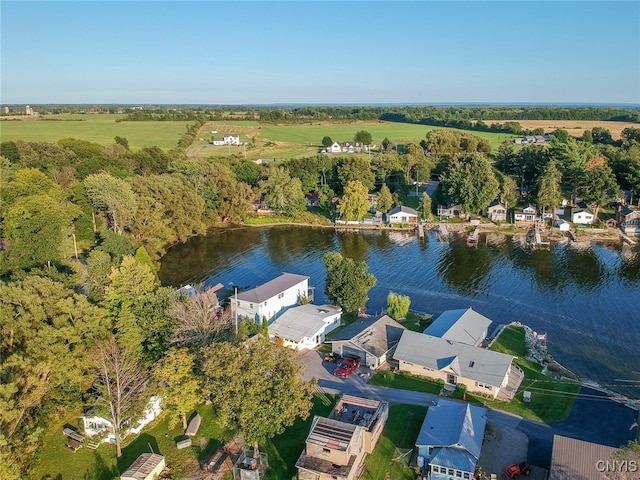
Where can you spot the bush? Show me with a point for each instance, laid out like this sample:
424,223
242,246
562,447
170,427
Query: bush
440,382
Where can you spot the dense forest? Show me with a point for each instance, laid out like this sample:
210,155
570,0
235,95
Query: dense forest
84,225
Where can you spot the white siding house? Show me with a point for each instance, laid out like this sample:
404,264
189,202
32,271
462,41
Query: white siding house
231,139
305,326
269,299
528,214
402,214
335,148
582,214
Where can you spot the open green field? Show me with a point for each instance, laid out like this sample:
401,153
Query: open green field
97,128
289,141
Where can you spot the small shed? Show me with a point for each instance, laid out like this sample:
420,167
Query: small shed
563,225
193,426
147,466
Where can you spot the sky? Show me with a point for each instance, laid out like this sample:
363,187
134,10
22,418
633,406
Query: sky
361,52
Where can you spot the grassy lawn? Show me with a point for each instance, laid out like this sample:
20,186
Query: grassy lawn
416,322
390,459
313,216
289,141
404,381
59,463
97,128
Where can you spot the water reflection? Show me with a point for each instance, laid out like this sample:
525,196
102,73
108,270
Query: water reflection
464,268
586,298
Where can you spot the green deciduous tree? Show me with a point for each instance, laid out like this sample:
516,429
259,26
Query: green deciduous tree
354,204
256,387
283,193
425,207
348,282
180,385
398,305
327,141
508,190
356,169
385,200
363,137
470,182
114,196
599,187
45,330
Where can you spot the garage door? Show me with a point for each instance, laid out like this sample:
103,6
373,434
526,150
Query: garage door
353,352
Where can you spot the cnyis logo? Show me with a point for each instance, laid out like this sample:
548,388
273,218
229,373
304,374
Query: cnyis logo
617,466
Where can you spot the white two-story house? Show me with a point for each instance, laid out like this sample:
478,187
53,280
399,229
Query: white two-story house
269,299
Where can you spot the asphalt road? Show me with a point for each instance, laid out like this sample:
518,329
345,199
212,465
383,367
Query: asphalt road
596,420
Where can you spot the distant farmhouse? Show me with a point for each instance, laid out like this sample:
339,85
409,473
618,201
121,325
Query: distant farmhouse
226,140
349,147
529,139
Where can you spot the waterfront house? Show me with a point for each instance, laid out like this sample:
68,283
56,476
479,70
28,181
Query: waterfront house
482,371
402,214
582,214
496,211
527,216
372,339
305,326
269,299
450,440
337,446
629,219
573,459
449,210
463,325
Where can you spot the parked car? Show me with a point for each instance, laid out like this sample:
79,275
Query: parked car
331,357
347,366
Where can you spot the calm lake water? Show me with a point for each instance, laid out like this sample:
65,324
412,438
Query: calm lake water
586,297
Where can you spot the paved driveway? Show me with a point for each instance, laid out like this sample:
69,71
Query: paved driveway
592,419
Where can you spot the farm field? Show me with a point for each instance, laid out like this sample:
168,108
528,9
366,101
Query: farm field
574,127
288,141
97,128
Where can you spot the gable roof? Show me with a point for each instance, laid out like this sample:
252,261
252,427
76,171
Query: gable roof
464,360
271,288
302,321
463,325
403,209
496,203
143,466
374,335
454,424
574,459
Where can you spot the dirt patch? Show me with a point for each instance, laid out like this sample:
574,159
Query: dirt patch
574,127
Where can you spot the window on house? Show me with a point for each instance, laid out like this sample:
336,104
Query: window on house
265,304
458,474
450,472
429,450
435,469
326,450
281,295
251,305
466,475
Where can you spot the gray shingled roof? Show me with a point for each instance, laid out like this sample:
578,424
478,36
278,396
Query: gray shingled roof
467,361
573,459
271,288
456,424
403,209
374,335
463,325
303,321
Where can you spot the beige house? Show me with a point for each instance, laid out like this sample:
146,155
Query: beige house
482,371
336,447
496,211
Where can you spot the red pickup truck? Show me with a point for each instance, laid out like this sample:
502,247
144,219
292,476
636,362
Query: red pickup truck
347,366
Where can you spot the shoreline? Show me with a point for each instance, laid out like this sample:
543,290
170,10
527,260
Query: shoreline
581,235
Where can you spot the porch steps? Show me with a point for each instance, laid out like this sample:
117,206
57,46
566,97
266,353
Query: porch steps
93,444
